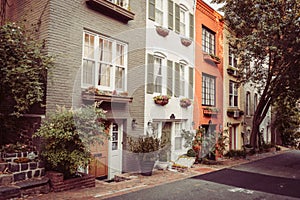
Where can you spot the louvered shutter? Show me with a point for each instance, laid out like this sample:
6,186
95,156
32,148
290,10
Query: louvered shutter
170,14
150,74
152,9
170,78
177,80
191,82
191,26
177,18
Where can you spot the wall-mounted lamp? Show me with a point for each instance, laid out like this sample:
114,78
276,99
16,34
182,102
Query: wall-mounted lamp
172,116
133,124
229,124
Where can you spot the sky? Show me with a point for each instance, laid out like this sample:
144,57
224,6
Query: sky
214,6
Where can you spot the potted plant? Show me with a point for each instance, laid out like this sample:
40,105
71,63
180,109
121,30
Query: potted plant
161,99
164,153
210,111
215,58
185,102
147,148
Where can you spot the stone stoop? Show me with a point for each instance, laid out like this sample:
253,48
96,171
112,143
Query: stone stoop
27,187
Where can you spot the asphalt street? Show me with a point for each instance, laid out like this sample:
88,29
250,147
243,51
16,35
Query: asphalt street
276,177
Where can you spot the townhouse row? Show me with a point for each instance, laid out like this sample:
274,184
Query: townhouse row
126,54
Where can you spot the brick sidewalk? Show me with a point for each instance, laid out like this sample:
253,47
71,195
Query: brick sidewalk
104,189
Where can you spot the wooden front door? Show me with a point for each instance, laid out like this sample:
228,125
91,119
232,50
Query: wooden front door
99,164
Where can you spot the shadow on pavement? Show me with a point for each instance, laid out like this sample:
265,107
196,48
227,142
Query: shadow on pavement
253,181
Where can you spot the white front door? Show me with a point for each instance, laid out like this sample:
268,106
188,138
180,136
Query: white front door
115,150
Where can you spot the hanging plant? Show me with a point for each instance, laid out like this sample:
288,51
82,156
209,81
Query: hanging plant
161,99
185,102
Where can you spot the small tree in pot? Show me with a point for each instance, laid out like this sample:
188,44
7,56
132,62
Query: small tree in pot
147,148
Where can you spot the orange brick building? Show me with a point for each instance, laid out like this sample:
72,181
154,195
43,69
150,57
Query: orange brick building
208,110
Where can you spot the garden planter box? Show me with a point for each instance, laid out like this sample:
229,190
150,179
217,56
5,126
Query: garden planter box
58,184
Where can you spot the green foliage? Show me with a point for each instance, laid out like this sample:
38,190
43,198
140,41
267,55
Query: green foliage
67,136
221,144
191,153
188,137
23,69
147,147
235,154
287,120
267,42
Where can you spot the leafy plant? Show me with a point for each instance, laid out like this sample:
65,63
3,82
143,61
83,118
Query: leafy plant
146,146
221,144
23,70
67,136
266,43
188,137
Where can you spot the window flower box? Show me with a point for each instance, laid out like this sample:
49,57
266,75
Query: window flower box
94,94
161,99
212,58
185,102
235,113
210,111
162,31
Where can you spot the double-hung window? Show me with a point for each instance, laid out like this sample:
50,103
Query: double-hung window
231,58
208,41
182,79
159,12
104,63
178,136
158,74
248,100
182,21
233,94
208,90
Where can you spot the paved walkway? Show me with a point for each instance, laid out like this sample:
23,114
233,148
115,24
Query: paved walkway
104,189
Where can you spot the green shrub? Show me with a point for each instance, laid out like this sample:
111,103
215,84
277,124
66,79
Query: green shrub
191,153
67,136
235,154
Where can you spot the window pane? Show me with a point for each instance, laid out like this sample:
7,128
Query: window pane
158,75
105,50
159,12
104,75
119,79
208,41
88,72
120,55
182,22
89,46
178,143
208,90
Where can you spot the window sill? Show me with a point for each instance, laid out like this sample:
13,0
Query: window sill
111,10
87,96
209,59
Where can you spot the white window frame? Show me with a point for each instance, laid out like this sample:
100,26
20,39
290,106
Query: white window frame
182,75
95,58
233,94
232,60
122,3
162,74
159,11
178,126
